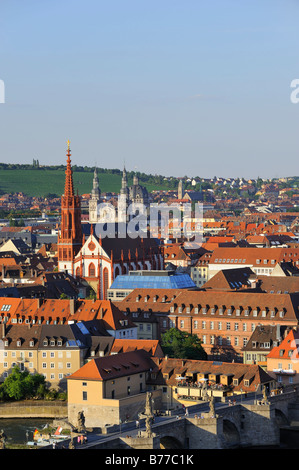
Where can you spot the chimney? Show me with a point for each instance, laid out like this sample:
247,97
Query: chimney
72,306
3,329
278,332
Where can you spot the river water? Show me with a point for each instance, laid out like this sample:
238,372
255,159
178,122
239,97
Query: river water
16,429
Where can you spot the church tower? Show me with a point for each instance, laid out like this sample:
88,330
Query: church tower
123,199
94,199
70,237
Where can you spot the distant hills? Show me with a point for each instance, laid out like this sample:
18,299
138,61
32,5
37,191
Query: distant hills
35,180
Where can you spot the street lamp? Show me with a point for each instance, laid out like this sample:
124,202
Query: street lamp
241,394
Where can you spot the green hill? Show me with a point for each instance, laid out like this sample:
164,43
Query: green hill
42,181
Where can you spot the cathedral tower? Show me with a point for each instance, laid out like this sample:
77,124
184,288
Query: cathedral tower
94,199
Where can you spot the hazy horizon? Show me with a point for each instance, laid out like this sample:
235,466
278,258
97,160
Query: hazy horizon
197,88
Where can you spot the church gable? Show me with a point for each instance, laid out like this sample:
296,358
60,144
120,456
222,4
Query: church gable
92,247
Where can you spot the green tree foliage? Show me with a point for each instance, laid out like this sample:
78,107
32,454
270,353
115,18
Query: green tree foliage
182,345
21,384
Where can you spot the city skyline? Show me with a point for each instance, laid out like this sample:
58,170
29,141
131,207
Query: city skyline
194,88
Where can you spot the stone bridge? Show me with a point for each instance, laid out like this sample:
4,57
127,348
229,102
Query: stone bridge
240,425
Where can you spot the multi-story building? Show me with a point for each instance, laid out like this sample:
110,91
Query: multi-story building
223,320
261,260
54,351
110,390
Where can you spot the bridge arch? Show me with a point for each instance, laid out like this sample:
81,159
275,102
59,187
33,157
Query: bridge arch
231,433
280,418
170,442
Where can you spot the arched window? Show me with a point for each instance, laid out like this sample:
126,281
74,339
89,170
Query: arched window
116,271
78,272
105,279
91,270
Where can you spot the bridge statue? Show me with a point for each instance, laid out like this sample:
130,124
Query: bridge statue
81,422
212,406
265,400
2,439
149,415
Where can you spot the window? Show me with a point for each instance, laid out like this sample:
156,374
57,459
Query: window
84,395
236,326
44,365
228,326
195,324
91,270
68,365
182,323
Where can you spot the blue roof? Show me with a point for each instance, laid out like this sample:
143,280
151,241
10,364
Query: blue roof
175,281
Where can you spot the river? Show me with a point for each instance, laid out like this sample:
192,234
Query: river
16,429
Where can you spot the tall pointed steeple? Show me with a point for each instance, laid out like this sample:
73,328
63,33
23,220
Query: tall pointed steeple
70,237
95,192
124,181
69,186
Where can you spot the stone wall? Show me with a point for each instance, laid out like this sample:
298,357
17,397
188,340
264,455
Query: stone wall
33,409
204,433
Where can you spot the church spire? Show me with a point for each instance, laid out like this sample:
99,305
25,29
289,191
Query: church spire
69,186
95,192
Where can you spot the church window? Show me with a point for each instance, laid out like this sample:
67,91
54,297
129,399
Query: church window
91,270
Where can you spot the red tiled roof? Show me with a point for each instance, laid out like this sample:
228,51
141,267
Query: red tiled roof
115,366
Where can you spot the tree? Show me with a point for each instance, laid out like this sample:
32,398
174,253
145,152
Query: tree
182,345
21,384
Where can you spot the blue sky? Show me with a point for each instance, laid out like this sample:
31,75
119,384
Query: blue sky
197,88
